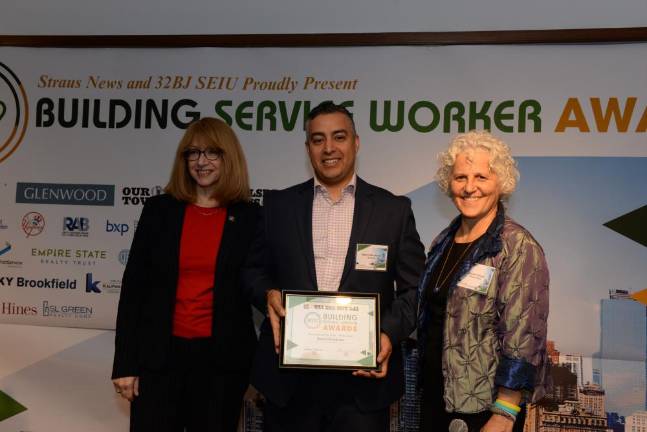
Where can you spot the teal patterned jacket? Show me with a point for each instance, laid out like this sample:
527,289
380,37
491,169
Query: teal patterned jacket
496,339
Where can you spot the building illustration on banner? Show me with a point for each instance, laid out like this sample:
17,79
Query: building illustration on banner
608,391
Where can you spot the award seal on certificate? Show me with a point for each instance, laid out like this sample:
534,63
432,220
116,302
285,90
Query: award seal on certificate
330,330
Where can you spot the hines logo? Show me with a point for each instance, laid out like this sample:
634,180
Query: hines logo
11,308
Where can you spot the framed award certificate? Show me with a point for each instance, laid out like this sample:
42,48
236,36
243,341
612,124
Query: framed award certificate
330,330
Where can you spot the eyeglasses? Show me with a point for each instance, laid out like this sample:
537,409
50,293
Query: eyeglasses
210,154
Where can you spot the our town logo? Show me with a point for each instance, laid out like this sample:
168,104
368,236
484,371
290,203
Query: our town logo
14,112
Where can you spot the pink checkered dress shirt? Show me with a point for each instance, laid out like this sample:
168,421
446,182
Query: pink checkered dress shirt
332,223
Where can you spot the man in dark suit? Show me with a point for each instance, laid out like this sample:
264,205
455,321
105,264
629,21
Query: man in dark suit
307,240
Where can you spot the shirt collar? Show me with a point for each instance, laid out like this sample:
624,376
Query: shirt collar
350,187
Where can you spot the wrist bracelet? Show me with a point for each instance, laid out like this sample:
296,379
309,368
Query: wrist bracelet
506,404
505,409
499,411
505,414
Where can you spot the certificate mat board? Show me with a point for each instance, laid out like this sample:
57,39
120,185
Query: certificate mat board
330,330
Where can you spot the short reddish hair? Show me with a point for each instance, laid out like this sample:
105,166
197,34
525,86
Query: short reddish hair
233,184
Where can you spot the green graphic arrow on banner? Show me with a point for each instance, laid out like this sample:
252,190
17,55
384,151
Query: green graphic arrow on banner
9,407
631,225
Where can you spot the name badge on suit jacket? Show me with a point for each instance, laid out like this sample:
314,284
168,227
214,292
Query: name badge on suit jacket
371,257
478,279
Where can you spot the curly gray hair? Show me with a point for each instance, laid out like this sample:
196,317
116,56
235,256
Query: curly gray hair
501,161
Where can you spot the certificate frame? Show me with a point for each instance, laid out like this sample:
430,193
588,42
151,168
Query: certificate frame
330,330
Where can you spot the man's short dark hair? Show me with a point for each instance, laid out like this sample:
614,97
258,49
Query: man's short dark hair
329,107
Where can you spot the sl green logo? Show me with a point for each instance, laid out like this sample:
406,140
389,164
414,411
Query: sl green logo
14,112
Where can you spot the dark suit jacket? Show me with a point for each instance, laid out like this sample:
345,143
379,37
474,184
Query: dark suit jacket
148,290
282,257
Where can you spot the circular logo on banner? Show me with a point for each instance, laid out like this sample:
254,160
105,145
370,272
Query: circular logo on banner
14,112
123,256
33,223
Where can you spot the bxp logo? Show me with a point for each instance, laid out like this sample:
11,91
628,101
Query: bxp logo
90,285
76,226
33,223
123,256
14,112
120,228
137,195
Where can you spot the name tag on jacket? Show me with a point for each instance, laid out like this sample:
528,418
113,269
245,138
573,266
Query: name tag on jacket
478,278
371,257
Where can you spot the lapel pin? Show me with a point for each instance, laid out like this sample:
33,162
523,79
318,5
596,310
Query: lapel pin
231,219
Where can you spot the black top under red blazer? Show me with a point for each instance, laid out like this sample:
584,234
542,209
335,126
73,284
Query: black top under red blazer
148,290
282,257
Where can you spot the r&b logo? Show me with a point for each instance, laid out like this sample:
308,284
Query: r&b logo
76,226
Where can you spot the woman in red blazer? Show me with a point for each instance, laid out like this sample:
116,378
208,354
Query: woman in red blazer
185,336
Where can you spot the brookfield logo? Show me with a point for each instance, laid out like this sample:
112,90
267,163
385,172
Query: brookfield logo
21,282
14,110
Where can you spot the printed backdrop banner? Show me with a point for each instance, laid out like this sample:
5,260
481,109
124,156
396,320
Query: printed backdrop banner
86,136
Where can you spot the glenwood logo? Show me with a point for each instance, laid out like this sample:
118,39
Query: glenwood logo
14,112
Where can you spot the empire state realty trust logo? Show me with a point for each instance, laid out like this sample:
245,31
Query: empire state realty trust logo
14,112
